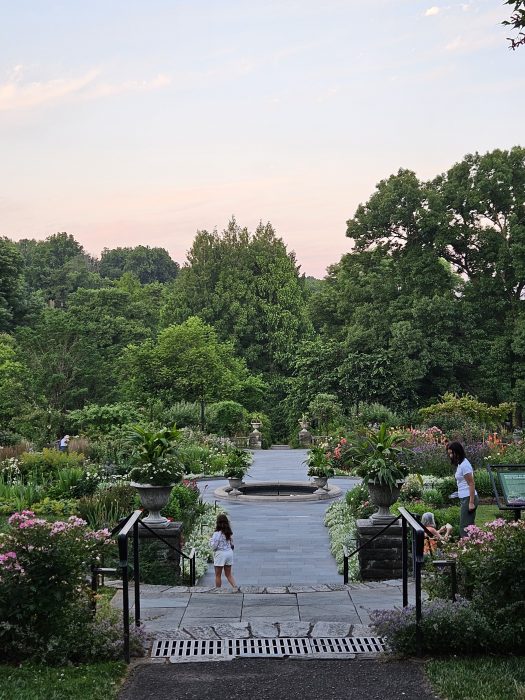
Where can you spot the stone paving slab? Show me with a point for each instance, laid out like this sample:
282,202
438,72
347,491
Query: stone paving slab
283,612
239,630
331,598
269,599
330,629
263,629
166,602
350,618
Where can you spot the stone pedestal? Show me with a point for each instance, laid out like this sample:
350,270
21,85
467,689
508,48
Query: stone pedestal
255,440
305,438
172,533
381,560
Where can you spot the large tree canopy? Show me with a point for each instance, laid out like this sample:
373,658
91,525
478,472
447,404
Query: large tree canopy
472,216
147,264
186,362
249,288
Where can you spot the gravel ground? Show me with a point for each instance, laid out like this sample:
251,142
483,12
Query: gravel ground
279,679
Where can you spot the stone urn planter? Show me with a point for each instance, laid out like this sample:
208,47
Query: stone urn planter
383,496
321,483
154,499
235,484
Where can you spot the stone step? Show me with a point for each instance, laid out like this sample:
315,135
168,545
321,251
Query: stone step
280,447
150,590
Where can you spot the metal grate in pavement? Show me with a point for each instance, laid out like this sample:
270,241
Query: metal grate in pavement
166,648
264,647
275,646
347,645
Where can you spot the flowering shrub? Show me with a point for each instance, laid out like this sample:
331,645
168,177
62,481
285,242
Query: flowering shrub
447,628
358,501
42,584
491,573
419,437
506,454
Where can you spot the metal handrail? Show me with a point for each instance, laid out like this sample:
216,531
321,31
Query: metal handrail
126,527
418,540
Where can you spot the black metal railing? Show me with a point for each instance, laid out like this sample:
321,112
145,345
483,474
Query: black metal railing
129,527
418,544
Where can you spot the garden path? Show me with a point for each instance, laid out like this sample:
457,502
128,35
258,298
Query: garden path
279,544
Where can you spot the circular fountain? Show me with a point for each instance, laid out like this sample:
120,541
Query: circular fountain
265,491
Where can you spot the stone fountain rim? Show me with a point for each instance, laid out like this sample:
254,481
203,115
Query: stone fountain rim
331,492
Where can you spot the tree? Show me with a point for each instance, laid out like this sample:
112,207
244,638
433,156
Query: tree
516,22
473,217
57,267
11,285
186,362
249,288
147,264
14,382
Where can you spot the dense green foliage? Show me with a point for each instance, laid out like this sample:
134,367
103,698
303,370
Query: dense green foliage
429,303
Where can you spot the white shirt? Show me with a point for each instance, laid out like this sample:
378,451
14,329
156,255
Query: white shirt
219,543
464,468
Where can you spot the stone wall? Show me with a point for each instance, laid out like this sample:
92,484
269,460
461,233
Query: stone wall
381,560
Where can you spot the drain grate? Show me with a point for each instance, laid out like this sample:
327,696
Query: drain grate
166,648
264,647
347,645
285,646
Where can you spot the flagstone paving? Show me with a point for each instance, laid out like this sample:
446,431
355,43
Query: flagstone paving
289,584
276,543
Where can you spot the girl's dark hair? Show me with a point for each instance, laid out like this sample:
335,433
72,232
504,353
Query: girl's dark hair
223,525
458,451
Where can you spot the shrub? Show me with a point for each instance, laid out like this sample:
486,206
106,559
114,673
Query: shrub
48,462
412,488
194,458
228,418
342,531
447,628
182,505
60,508
358,501
183,413
434,497
430,459
507,454
467,409
42,585
375,414
483,483
94,419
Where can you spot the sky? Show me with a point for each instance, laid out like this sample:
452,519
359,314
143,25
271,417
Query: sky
141,122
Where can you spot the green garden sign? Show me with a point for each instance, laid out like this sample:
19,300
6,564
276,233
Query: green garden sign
513,487
509,487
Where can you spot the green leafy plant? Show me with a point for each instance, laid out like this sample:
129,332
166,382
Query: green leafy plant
237,464
321,471
378,456
155,454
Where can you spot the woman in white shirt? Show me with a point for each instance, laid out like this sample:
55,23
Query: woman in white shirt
222,544
468,497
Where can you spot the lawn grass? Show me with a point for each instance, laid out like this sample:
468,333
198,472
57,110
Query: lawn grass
484,678
36,682
485,514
